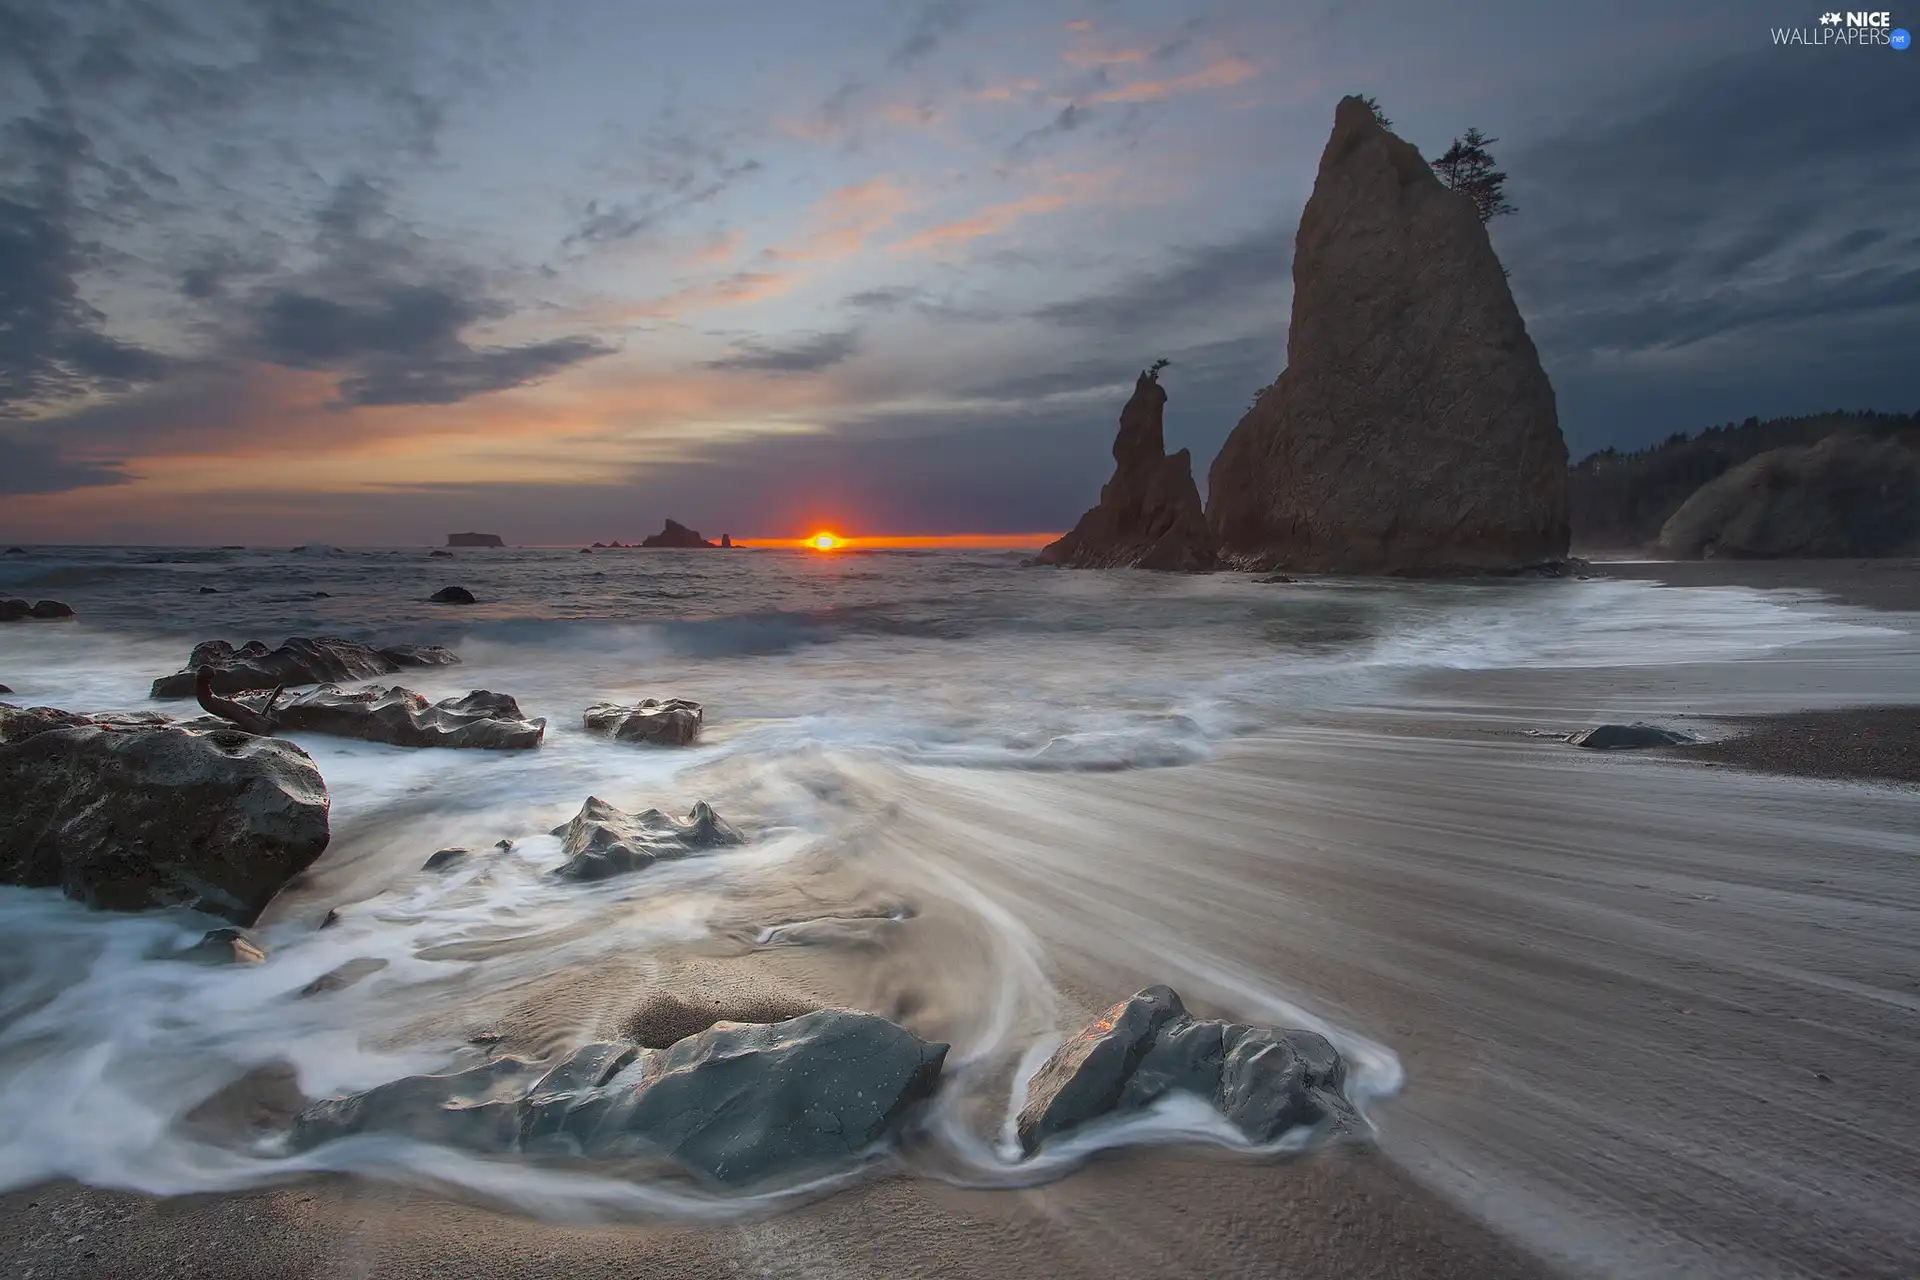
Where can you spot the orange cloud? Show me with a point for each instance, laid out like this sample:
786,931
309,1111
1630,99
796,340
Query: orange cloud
1223,74
989,221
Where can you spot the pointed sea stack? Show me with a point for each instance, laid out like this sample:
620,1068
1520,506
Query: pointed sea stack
1413,429
1149,516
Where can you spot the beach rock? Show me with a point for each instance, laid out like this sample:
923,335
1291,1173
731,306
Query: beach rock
1265,1082
586,551
440,555
452,595
12,610
475,540
6,688
602,841
1413,427
673,723
52,609
402,718
125,814
1149,515
675,534
441,859
226,946
1847,496
735,1104
208,591
323,659
342,977
1627,737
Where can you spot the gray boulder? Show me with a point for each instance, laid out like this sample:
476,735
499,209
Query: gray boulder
602,841
737,1103
1848,496
402,718
1265,1082
125,814
1149,515
1628,737
1413,428
675,722
321,660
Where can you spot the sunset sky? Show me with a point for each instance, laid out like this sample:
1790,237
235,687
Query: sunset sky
367,271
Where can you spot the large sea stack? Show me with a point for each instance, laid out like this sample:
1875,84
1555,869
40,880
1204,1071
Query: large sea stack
1149,515
1413,429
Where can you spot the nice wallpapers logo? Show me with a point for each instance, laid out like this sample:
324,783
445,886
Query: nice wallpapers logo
1850,30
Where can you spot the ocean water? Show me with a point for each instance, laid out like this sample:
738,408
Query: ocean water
849,697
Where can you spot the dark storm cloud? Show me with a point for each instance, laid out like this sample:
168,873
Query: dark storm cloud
385,311
932,25
808,355
1744,226
51,344
31,463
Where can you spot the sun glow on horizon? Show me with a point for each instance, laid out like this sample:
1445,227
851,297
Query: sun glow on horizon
824,541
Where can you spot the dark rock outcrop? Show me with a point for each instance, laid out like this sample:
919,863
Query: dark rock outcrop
673,723
442,859
452,595
440,555
602,841
321,660
1413,427
675,534
126,814
12,610
737,1103
1149,515
1266,1082
475,540
402,718
1847,496
1628,737
726,541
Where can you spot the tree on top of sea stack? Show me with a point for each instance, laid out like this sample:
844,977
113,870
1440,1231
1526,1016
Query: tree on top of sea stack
1413,429
1468,168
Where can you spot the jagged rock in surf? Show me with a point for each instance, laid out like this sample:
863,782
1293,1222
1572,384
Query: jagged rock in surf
1413,427
675,722
1149,515
442,859
675,534
475,540
399,717
1265,1082
226,946
735,1104
1628,737
125,814
321,660
1847,496
602,841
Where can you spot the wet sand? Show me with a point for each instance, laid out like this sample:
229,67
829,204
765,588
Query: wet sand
1868,584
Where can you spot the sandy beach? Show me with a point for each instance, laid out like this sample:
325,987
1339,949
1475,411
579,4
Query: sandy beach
1656,1015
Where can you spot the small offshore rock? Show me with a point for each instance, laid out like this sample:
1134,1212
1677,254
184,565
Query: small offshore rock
208,591
12,610
5,689
16,551
675,534
602,841
1265,1082
452,595
1628,737
676,722
445,555
441,859
52,609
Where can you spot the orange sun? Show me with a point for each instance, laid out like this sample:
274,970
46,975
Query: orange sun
825,542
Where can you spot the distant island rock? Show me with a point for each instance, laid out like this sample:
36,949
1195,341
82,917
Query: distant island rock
1149,515
475,540
1848,496
676,534
1413,428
